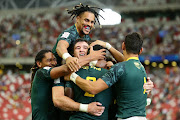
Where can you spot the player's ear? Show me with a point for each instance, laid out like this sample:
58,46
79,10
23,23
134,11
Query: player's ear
77,19
140,50
39,64
123,46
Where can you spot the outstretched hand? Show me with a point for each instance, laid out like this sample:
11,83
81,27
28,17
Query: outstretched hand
95,108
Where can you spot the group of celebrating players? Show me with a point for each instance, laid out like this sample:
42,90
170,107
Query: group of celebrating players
95,88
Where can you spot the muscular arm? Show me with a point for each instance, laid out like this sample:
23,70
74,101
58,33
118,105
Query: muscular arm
100,85
91,87
67,104
116,54
60,71
63,102
62,47
71,62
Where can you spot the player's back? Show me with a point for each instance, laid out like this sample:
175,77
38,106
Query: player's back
131,97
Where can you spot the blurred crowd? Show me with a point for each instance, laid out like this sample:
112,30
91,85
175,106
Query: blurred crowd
14,95
23,35
165,95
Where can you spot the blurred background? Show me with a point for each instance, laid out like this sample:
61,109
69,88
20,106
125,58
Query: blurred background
27,26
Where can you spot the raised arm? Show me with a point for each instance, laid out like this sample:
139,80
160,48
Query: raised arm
62,51
115,53
62,47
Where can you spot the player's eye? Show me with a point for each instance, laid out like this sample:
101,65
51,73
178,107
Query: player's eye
77,47
86,20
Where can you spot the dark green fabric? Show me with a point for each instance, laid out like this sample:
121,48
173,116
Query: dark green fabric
41,96
104,97
128,79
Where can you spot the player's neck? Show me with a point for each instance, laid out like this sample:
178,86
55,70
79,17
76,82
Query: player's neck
127,56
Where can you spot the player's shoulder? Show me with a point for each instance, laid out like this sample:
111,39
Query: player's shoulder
70,30
120,64
68,33
44,69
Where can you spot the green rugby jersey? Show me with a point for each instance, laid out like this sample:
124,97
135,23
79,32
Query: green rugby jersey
128,78
70,35
41,96
104,97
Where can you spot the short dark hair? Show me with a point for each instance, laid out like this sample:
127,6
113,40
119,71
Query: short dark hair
79,9
96,48
133,43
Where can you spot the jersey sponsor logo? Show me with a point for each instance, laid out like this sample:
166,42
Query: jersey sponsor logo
56,81
46,68
65,35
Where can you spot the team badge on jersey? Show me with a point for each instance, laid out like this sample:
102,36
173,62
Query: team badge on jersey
137,65
65,35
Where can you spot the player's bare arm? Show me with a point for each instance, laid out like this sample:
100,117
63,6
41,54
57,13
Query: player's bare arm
88,86
60,71
72,62
99,85
115,53
67,104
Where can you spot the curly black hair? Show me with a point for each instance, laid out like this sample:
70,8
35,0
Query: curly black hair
79,9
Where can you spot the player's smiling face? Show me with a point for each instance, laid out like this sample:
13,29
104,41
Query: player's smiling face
80,49
85,23
48,61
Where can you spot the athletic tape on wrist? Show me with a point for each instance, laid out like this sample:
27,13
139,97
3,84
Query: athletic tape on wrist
66,55
93,63
73,77
83,108
108,46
